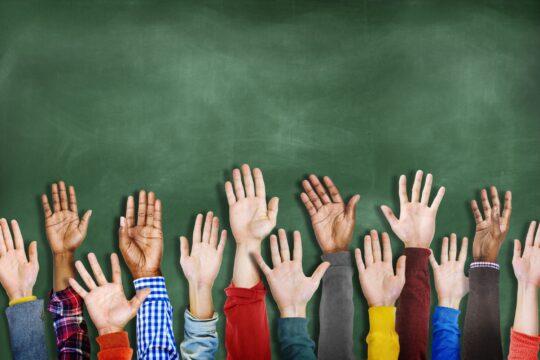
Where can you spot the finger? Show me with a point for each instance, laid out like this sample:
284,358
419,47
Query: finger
55,197
150,209
207,227
96,269
308,204
415,195
238,187
312,194
116,272
264,268
157,215
141,214
284,245
403,189
33,253
517,250
222,242
260,190
184,248
359,262
351,207
63,196
530,234
507,211
453,247
485,204
8,240
376,246
496,219
231,198
130,212
476,212
387,248
248,181
138,299
433,261
495,197
297,250
320,271
463,251
273,206
400,267
46,208
333,190
438,198
444,251
2,240
17,236
85,275
368,252
197,235
77,287
214,232
537,238
390,216
319,188
72,199
427,190
274,251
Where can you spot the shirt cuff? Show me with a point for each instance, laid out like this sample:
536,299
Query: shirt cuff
482,264
194,325
22,300
417,259
293,326
446,315
382,319
65,303
257,292
342,258
156,284
114,346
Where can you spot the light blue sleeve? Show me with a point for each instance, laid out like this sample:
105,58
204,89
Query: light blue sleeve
200,338
26,330
155,337
446,334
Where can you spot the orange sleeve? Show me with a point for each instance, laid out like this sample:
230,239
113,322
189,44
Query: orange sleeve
114,346
523,346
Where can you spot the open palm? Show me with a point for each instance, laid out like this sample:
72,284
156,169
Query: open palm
527,265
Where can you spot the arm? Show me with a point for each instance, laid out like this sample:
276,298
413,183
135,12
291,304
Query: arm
18,276
416,228
452,285
381,289
524,340
291,290
481,333
201,268
251,221
65,233
141,244
333,222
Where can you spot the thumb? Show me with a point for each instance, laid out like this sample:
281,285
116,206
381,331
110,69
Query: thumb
517,250
351,206
138,299
400,267
83,225
273,205
320,271
389,215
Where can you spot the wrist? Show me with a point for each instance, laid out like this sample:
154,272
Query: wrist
248,246
200,301
63,258
527,288
137,274
109,330
449,302
19,294
296,310
382,302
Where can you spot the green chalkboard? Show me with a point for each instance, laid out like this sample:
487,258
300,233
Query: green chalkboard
115,96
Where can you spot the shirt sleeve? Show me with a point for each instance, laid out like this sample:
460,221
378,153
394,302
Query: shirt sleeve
382,340
155,337
26,330
72,341
336,327
200,338
523,346
294,341
445,341
246,329
412,321
114,346
482,329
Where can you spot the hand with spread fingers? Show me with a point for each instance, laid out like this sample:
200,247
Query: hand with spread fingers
201,267
65,231
18,273
450,280
290,288
333,221
381,287
141,242
416,223
491,229
106,302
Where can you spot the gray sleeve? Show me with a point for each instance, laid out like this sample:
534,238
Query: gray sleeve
26,330
336,311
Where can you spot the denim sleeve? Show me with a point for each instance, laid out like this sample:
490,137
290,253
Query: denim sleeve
200,338
446,334
26,330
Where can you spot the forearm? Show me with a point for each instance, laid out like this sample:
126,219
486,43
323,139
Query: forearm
246,272
26,330
336,327
445,341
200,301
63,270
526,317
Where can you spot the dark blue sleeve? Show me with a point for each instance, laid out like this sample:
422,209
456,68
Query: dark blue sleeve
446,334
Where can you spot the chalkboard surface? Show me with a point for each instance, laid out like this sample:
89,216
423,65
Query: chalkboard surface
115,96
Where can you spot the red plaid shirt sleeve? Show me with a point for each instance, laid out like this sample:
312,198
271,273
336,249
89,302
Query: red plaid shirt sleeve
72,341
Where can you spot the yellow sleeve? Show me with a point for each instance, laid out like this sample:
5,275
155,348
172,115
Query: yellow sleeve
382,340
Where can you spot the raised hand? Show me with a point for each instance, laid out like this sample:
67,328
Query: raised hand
64,229
290,288
450,280
379,284
17,273
106,302
527,264
141,243
332,220
416,223
201,267
491,229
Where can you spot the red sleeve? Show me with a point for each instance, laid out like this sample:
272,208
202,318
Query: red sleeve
523,346
114,346
412,320
246,330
